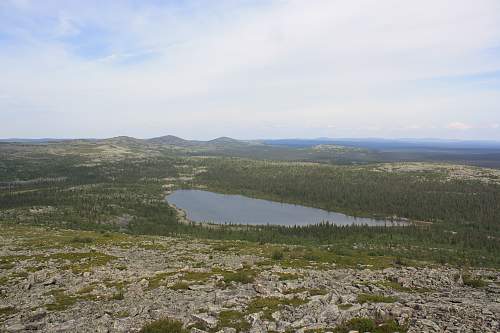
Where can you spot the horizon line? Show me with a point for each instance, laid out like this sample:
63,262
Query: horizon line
14,139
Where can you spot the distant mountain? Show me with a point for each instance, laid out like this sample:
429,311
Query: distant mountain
180,142
170,140
377,144
123,141
226,141
223,139
173,140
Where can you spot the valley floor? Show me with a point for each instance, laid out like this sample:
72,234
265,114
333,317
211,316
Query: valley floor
55,280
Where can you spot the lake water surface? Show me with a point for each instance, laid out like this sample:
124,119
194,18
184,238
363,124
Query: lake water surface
205,206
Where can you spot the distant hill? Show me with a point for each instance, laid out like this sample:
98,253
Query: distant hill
224,140
379,144
170,140
123,139
327,150
180,142
173,140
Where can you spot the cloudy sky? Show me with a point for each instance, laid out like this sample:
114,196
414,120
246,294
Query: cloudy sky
250,68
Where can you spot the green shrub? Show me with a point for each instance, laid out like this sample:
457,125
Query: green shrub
164,326
269,305
241,276
310,256
222,247
288,276
118,296
84,240
234,319
180,286
357,324
372,298
277,255
7,311
363,325
475,282
400,262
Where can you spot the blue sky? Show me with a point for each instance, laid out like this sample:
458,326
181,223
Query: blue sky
250,69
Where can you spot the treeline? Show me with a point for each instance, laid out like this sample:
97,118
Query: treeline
89,195
92,196
360,191
426,243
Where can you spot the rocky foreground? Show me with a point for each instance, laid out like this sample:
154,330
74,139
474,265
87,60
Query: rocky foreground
67,281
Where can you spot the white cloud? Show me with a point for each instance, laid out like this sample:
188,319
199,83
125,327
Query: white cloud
369,67
458,126
66,27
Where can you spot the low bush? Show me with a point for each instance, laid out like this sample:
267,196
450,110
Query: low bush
164,326
474,282
363,325
83,240
372,298
277,255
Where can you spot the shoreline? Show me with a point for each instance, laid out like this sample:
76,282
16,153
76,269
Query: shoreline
182,218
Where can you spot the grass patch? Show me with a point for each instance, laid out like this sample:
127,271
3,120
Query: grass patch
164,326
64,301
277,255
222,247
234,319
373,298
116,284
180,286
6,265
121,267
158,280
307,256
78,262
4,280
118,295
346,306
8,262
122,314
83,262
86,290
474,282
196,276
33,269
82,240
317,291
312,292
393,285
244,275
288,276
369,325
7,311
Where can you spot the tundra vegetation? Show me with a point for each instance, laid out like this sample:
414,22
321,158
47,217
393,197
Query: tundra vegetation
85,225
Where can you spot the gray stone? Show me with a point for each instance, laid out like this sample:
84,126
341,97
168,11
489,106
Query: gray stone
205,319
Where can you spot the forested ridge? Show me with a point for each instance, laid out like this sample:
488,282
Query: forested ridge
360,190
127,195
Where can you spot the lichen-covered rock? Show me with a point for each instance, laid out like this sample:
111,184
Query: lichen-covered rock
121,287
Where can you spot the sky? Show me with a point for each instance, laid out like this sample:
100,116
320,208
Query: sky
250,69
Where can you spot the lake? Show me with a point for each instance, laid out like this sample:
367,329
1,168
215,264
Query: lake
205,206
